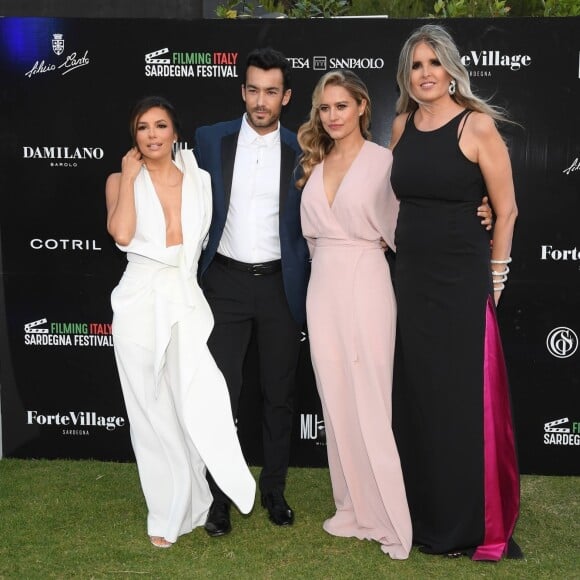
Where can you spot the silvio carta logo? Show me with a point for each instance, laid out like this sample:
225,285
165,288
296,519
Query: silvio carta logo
63,64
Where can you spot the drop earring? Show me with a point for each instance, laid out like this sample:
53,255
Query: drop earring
452,87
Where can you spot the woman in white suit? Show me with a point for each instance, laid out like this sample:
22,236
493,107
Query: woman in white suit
158,212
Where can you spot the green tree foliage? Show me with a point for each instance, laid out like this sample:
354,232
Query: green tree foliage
470,8
236,9
403,8
392,8
561,8
319,8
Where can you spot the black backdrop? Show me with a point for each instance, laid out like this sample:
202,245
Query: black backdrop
67,89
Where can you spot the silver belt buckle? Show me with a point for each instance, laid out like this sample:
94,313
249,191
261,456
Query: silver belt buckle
255,269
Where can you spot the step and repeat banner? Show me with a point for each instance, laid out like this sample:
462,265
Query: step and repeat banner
67,89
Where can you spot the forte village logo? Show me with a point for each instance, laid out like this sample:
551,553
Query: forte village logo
557,433
163,63
67,333
549,253
74,422
481,63
62,156
64,64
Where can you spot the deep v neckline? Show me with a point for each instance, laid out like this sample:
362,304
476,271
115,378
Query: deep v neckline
354,159
160,205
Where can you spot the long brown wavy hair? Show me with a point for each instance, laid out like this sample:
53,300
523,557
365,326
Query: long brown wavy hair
313,139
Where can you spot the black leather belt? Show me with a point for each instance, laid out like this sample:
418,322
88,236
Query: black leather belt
259,269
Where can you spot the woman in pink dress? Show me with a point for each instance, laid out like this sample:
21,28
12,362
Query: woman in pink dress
348,208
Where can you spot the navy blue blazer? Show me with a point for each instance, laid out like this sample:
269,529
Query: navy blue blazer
215,149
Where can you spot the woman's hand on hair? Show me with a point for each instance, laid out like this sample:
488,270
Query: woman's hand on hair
131,164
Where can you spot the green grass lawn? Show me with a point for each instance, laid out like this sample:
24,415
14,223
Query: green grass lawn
86,519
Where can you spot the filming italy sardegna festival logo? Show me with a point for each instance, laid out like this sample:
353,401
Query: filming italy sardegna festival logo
195,64
43,333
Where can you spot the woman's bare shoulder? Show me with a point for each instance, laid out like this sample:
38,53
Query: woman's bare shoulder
112,184
397,129
113,178
481,124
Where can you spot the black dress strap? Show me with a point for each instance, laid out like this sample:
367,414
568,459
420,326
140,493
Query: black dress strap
462,122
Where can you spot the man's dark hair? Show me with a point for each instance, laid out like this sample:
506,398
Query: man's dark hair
268,58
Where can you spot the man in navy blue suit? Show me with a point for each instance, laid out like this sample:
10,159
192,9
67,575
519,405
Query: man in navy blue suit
254,270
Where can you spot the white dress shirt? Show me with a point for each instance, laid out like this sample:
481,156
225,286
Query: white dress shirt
251,233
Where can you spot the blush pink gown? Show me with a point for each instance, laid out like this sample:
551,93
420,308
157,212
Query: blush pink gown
351,316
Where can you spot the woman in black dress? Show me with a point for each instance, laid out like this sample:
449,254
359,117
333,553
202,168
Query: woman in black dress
451,409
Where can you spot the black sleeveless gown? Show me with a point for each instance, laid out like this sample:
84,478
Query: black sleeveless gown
451,409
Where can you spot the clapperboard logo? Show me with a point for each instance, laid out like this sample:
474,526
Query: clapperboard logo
57,44
151,57
319,63
556,434
552,426
31,327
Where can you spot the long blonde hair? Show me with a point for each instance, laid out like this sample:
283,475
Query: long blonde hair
312,138
442,44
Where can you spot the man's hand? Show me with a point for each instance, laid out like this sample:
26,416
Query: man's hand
484,211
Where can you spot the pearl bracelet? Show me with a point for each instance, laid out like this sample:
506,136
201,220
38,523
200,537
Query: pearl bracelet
499,277
506,261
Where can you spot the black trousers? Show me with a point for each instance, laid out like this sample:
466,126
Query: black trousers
243,304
